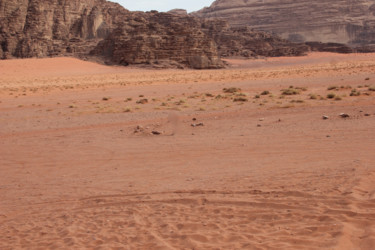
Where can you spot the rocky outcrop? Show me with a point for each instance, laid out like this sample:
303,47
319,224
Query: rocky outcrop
105,31
331,47
82,28
36,28
154,38
245,42
338,21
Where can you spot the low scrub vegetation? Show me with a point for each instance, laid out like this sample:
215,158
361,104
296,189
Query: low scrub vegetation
290,91
231,90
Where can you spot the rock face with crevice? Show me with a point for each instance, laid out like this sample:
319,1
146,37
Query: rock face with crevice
339,21
41,28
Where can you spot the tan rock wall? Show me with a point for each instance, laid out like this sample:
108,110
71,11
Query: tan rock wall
339,21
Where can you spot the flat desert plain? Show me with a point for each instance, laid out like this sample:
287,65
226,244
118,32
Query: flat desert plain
255,156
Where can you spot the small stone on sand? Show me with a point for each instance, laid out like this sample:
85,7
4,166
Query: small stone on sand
197,124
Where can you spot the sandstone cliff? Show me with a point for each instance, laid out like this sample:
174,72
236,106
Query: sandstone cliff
245,42
339,21
155,37
105,31
36,28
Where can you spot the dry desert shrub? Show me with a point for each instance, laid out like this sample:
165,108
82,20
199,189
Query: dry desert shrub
241,94
338,98
231,90
346,87
142,101
193,96
180,102
372,88
355,92
331,95
297,101
290,91
265,92
302,88
333,87
287,106
240,99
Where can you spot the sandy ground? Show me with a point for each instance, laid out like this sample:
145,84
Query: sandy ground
81,169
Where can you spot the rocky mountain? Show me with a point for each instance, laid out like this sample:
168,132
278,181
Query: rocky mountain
104,31
340,21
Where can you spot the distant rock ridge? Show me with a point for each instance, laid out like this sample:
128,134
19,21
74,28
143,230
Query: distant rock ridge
178,12
107,32
335,21
247,43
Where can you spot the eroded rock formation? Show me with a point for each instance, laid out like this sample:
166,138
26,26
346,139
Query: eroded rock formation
40,28
153,38
105,31
245,42
339,21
